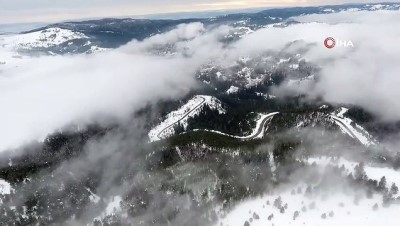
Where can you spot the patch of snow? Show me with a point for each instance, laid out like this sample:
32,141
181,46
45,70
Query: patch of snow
294,66
232,89
300,124
113,206
241,22
96,49
342,112
266,95
377,7
240,32
281,61
93,197
353,10
328,10
5,187
246,73
280,24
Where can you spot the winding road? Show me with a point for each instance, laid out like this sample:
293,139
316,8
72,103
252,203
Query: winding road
263,124
259,130
255,134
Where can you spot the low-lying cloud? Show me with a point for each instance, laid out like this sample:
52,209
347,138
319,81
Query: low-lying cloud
366,75
46,93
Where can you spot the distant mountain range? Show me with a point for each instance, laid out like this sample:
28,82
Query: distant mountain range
93,35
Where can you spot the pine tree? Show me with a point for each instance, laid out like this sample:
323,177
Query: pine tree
278,202
375,207
394,189
382,184
359,173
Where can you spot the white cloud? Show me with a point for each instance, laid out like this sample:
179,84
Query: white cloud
366,75
44,94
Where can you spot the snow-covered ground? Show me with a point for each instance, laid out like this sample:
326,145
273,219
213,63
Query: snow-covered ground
190,109
332,210
328,208
357,132
372,171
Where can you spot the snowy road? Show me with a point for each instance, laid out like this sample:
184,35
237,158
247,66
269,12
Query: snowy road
261,129
192,108
184,116
353,129
344,126
258,131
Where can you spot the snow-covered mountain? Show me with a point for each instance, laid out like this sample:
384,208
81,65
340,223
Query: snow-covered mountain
52,41
46,38
97,35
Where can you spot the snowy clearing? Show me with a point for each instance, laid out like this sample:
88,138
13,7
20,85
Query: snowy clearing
302,210
327,208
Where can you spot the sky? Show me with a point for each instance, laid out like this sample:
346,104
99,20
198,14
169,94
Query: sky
48,11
